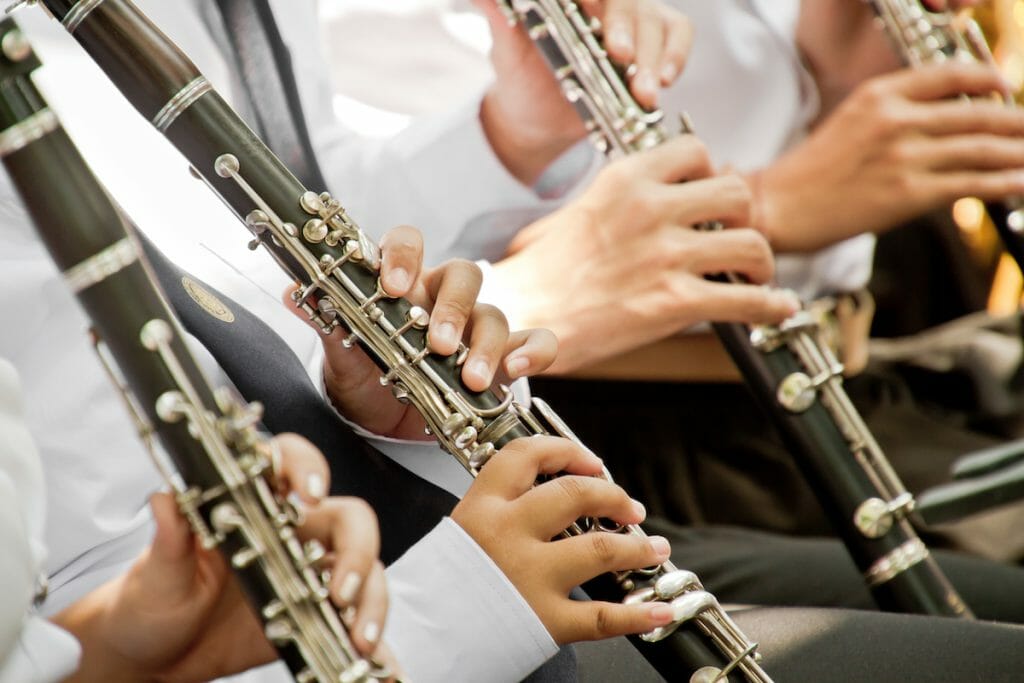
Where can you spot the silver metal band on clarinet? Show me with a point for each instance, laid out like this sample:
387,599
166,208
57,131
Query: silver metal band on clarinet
24,133
102,265
78,13
180,103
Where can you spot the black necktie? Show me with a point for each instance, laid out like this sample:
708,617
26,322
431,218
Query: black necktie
264,65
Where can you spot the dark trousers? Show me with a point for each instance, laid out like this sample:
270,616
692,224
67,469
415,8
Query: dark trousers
805,645
700,454
802,642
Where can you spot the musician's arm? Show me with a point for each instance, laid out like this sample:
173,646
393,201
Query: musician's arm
842,45
889,145
454,614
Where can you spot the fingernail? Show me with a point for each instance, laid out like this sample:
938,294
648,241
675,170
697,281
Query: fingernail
348,616
620,39
517,365
641,511
445,335
315,486
793,299
295,500
371,632
645,83
661,613
660,546
479,369
668,73
398,279
349,587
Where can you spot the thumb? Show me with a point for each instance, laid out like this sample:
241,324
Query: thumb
171,557
498,21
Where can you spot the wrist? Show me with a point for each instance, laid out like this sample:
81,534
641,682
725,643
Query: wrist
93,621
524,152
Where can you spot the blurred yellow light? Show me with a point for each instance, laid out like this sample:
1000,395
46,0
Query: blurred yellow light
969,214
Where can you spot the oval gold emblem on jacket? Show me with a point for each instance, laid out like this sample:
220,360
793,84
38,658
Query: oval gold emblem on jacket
207,301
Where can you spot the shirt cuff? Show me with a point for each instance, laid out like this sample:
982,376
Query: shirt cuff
455,616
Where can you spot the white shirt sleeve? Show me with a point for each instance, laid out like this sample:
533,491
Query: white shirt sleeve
455,616
31,649
44,653
437,174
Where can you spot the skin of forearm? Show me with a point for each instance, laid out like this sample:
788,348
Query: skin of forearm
524,155
842,45
792,214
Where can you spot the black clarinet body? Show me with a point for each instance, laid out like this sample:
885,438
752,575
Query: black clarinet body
336,267
222,463
796,379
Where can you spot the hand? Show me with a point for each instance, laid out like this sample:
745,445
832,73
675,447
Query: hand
525,115
514,521
899,146
449,292
622,265
179,615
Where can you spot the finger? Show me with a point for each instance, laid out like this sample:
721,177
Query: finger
292,306
683,157
650,40
348,527
453,287
739,250
303,468
401,258
352,367
530,352
599,620
731,302
951,117
993,185
678,41
936,82
619,28
725,199
488,336
556,504
970,152
584,557
371,611
386,658
515,468
173,540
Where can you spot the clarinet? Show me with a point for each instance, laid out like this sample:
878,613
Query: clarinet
796,379
224,465
314,240
921,36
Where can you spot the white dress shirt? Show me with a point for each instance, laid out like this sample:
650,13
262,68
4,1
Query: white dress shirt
751,99
32,650
98,474
744,87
